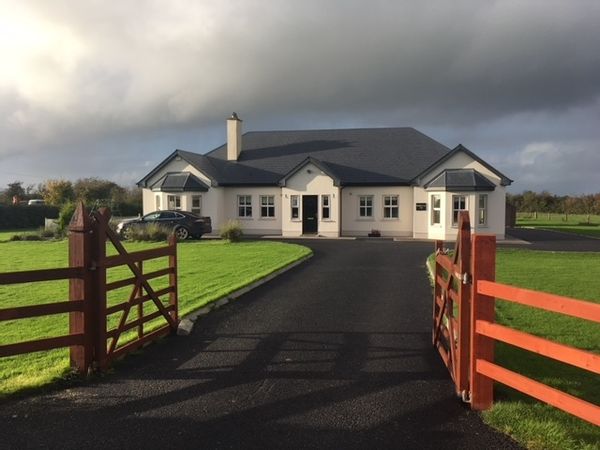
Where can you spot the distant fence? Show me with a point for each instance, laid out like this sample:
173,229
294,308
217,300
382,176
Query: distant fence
465,333
91,344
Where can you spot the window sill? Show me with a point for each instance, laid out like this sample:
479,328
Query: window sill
365,219
296,220
245,218
328,220
268,218
391,219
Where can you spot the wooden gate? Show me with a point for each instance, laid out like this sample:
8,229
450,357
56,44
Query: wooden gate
465,332
451,305
108,348
92,344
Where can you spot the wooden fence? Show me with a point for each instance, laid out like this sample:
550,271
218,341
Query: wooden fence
469,340
92,345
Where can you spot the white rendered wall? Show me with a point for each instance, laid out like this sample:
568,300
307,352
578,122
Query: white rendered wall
354,225
256,224
496,202
310,180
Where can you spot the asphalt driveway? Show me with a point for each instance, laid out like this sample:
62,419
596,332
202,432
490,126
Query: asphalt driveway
335,353
554,240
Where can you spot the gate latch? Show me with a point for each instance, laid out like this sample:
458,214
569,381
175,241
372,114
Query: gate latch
466,278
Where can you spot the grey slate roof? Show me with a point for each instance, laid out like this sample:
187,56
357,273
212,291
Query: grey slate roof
457,180
179,182
352,157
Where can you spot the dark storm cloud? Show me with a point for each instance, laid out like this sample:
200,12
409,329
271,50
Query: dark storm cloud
124,74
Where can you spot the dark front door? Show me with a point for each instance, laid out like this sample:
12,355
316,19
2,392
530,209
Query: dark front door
309,214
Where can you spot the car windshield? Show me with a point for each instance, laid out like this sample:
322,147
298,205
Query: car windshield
151,216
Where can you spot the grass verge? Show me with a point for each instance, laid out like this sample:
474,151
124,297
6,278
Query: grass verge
207,270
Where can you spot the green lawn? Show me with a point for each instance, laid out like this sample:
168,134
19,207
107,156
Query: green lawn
575,223
207,271
532,423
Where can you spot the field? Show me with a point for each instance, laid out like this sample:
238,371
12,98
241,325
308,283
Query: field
207,271
574,223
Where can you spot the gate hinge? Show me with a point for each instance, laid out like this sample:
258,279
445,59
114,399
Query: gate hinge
465,396
467,278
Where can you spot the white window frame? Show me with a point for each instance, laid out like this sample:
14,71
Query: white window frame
174,202
365,211
389,207
157,201
456,211
267,204
295,207
196,209
244,206
482,211
435,209
325,207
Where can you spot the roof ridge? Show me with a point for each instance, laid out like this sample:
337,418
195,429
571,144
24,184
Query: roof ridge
308,130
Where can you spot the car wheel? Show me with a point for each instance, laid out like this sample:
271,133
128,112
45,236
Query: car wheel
126,233
182,233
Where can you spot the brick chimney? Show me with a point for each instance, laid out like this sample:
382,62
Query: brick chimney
234,137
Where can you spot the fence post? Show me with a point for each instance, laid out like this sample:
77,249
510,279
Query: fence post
81,322
483,263
437,289
99,255
173,279
140,308
464,304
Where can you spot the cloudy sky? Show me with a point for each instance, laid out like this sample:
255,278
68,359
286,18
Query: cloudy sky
108,89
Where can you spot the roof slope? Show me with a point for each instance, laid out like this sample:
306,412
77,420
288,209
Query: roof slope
354,157
180,182
504,180
357,156
459,180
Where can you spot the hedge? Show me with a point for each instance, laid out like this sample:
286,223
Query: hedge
16,217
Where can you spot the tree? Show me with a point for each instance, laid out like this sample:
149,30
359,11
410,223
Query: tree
91,190
569,206
15,189
530,202
588,203
57,192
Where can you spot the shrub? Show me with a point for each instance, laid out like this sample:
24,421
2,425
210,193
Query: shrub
232,231
47,234
25,237
151,232
64,217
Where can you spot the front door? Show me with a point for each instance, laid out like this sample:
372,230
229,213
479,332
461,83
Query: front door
309,214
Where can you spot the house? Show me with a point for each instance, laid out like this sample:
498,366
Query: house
333,183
